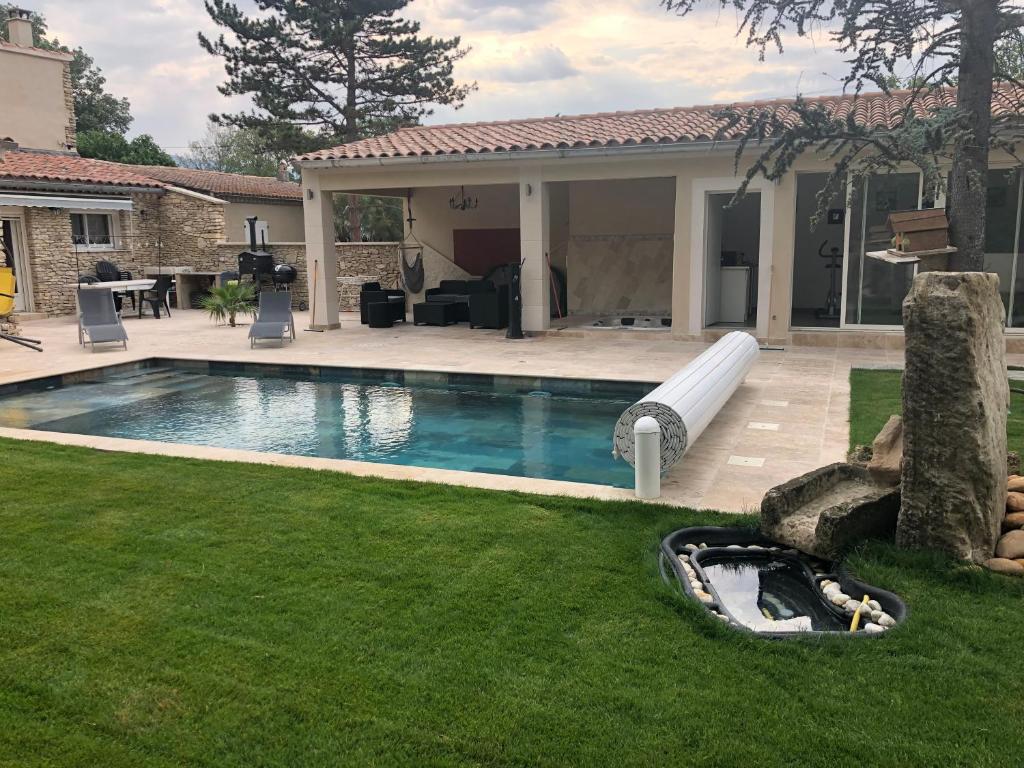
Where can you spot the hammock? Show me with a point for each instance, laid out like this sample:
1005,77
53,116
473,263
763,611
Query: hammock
412,274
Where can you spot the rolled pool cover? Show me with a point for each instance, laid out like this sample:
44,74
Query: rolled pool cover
688,400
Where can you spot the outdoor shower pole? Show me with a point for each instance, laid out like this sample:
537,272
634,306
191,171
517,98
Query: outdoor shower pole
515,302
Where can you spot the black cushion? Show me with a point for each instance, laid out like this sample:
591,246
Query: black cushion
371,286
453,286
449,298
479,286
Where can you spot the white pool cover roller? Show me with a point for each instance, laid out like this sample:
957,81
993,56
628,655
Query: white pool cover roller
687,402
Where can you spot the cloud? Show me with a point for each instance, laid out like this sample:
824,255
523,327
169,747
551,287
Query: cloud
530,58
532,65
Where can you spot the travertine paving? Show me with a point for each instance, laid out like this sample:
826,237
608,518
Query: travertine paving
790,416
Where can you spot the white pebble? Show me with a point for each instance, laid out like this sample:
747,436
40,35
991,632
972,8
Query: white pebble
872,629
851,606
825,583
704,597
840,599
875,616
690,547
703,545
886,620
874,605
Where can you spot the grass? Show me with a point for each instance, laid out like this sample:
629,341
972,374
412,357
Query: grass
875,396
162,612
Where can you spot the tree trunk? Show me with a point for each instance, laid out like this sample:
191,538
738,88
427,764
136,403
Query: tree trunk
969,175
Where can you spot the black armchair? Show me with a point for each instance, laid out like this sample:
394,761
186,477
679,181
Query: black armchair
489,309
372,293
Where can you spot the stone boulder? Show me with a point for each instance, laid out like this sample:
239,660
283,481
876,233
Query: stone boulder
886,463
1013,521
955,401
1002,565
829,510
1011,545
1015,501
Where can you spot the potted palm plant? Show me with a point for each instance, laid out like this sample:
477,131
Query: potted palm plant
225,302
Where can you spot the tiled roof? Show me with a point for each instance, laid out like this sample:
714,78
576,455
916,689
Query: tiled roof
229,184
70,169
679,125
63,168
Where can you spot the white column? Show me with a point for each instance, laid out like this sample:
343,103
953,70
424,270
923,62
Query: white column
535,243
321,253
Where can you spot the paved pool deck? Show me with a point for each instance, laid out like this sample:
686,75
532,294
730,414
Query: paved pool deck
789,416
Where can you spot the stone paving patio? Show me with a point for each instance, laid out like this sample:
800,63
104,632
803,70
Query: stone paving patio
790,416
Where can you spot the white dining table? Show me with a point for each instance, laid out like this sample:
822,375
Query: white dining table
141,284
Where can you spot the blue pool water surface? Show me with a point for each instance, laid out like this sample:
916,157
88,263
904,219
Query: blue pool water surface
473,426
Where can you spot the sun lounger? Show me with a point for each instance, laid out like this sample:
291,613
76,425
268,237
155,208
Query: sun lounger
98,319
274,319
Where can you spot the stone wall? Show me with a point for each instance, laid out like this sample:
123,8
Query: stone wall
52,259
71,129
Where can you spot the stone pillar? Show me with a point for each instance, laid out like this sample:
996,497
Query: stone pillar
321,253
955,400
535,235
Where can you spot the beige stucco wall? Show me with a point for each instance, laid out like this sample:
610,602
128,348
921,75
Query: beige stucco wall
35,106
284,219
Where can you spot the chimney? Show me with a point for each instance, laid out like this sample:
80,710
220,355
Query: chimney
282,171
19,27
7,145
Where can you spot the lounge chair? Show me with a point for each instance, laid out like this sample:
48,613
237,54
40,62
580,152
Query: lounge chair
98,318
274,318
7,309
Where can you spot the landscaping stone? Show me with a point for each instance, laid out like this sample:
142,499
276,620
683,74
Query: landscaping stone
1015,483
955,400
872,628
1012,463
1011,545
1013,521
1003,565
1015,501
887,453
885,620
826,511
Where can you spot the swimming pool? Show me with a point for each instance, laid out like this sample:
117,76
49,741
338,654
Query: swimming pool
556,429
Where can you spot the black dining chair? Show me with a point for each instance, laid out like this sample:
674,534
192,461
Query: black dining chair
156,296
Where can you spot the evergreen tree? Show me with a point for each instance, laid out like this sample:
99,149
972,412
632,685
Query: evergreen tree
926,43
107,145
231,150
323,72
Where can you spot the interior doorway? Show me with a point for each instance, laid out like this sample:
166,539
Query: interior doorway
12,255
817,256
732,245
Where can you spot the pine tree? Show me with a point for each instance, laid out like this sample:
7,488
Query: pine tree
323,72
927,44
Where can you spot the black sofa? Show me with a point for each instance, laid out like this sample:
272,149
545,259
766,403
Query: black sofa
372,293
459,293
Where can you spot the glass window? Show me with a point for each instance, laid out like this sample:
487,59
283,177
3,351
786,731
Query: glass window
94,230
1001,213
876,289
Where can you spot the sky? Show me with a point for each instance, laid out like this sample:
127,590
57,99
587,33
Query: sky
529,58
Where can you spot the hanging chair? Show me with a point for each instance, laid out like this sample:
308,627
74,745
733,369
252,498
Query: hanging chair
412,274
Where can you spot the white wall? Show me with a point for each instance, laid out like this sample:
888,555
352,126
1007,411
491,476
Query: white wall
285,221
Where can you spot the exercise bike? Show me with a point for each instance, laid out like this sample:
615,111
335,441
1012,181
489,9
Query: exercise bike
831,309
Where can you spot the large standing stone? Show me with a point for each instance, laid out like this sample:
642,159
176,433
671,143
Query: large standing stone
955,400
887,453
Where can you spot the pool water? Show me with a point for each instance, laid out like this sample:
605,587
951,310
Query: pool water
467,425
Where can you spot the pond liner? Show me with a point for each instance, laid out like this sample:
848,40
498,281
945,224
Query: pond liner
718,539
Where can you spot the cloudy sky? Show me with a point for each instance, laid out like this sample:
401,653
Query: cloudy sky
529,57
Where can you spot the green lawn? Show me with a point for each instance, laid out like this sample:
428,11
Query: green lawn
875,396
164,612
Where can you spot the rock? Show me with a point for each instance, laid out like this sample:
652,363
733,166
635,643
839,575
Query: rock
704,597
684,558
1015,501
872,629
874,605
851,606
955,400
690,547
703,545
826,511
876,615
840,599
860,455
1004,565
696,584
887,453
1011,545
885,620
1013,521
1015,483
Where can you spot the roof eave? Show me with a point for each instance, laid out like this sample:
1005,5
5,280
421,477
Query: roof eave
76,186
533,154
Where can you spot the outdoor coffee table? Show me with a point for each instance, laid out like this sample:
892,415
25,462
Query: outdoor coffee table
434,313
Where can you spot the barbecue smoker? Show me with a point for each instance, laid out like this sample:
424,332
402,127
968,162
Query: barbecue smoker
258,264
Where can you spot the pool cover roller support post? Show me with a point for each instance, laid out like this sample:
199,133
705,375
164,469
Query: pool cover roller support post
688,400
648,460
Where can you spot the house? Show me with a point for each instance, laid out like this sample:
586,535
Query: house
626,212
61,213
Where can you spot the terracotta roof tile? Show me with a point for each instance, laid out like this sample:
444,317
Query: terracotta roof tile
70,169
679,125
229,184
66,168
